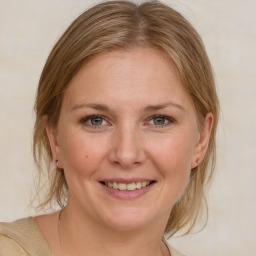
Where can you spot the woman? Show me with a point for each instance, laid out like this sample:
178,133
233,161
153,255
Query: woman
126,117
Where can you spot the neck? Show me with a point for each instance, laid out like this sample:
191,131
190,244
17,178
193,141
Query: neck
80,234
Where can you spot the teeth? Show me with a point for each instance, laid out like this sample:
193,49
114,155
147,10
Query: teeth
114,185
131,186
121,186
110,184
138,185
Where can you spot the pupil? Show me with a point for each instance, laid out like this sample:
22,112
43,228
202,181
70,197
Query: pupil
159,121
96,121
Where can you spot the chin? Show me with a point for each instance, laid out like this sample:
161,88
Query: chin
128,219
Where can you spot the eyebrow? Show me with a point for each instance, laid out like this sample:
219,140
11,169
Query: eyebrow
164,105
149,108
91,105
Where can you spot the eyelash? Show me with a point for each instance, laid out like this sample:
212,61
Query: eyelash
88,118
103,118
167,118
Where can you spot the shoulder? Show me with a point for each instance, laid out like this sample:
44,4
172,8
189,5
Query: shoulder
9,247
22,237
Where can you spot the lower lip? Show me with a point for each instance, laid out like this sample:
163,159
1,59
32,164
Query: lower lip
128,194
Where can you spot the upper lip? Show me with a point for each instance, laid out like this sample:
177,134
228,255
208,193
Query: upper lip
126,181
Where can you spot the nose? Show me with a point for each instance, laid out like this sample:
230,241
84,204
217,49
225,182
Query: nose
127,149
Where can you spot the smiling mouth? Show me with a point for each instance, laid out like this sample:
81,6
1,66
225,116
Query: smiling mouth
129,186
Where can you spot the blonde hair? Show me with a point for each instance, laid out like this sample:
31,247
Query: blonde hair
115,25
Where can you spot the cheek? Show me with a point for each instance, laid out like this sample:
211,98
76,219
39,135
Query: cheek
173,151
175,168
81,155
172,157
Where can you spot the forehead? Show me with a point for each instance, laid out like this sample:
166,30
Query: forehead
127,76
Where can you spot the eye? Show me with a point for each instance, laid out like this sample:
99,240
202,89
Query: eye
160,120
94,121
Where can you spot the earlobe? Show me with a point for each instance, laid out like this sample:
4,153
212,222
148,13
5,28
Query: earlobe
202,145
52,137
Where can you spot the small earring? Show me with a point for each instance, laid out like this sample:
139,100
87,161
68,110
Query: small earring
57,162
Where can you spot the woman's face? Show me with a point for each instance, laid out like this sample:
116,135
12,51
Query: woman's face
127,138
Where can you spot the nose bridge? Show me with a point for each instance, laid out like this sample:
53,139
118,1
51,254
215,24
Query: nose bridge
127,148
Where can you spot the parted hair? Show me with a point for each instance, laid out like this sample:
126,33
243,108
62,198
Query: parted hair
122,25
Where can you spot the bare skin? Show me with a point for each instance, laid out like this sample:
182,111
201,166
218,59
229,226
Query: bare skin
125,118
48,224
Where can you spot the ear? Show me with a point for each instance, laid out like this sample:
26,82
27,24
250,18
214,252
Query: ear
202,144
53,139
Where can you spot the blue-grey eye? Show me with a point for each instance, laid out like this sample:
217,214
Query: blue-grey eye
160,121
96,121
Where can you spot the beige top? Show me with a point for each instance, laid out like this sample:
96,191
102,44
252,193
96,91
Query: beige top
23,238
